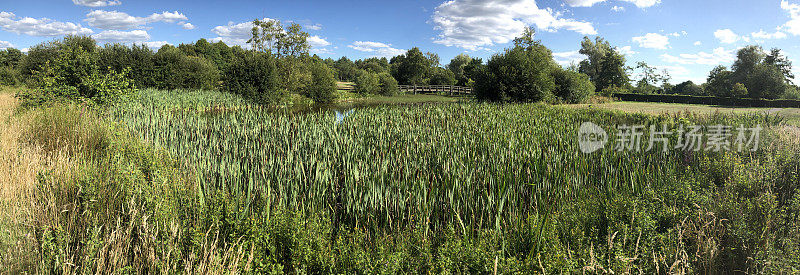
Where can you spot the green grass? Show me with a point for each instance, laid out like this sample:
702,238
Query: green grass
792,115
478,184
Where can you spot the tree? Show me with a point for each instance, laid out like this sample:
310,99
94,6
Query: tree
719,82
323,84
603,64
367,83
441,76
572,87
738,91
254,76
346,69
519,74
388,84
374,64
413,67
527,39
457,66
650,78
687,88
766,81
271,36
784,65
10,57
473,70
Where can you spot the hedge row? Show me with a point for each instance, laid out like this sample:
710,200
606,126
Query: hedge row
709,100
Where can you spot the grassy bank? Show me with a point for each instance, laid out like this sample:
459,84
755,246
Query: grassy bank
199,182
792,115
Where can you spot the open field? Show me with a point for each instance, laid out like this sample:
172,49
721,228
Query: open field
791,115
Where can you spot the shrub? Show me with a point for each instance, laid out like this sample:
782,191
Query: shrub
738,91
139,58
572,87
323,84
75,76
367,83
175,70
9,76
388,84
612,90
519,74
254,76
441,76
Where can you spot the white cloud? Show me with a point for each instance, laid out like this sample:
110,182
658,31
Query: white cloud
40,27
114,20
727,36
96,3
793,26
313,27
627,50
698,43
113,36
320,51
5,45
568,58
187,26
765,35
376,48
718,56
582,3
652,41
644,3
235,34
618,9
472,24
155,44
318,42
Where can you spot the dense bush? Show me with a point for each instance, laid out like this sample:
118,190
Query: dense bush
9,76
572,87
441,76
388,84
175,70
137,58
367,83
254,76
322,88
519,74
74,75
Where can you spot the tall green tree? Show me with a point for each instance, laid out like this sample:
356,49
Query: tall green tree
604,65
413,67
719,82
457,65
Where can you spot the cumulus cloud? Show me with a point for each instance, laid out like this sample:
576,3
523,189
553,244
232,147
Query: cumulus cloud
115,20
793,26
727,36
652,41
582,3
114,36
698,43
40,27
235,34
187,26
472,24
96,3
316,41
765,35
376,48
627,50
718,56
155,44
643,3
5,45
618,9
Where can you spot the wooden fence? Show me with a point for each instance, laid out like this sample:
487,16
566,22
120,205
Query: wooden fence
448,89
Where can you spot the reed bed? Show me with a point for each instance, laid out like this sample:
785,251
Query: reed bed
467,166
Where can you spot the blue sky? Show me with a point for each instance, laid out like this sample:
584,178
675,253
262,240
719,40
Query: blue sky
687,38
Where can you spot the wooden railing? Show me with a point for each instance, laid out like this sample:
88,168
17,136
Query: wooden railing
448,89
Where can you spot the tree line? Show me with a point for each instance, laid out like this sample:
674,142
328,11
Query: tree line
278,66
